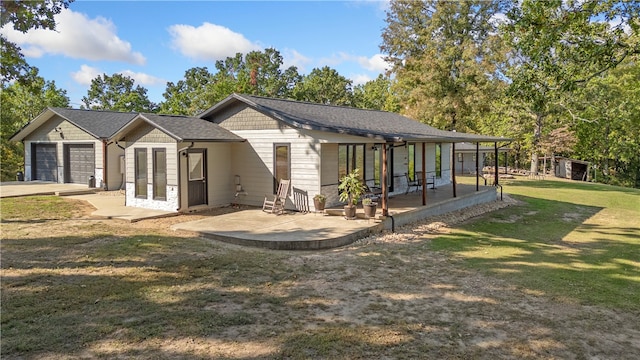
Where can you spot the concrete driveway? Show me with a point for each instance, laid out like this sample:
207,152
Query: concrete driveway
28,188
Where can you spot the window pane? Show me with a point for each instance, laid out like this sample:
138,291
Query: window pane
141,172
359,159
438,160
376,165
159,174
282,162
196,166
342,161
411,149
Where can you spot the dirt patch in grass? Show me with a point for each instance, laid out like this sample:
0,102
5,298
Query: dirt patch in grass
86,288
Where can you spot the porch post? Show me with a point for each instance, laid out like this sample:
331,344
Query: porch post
453,173
478,166
495,145
424,177
385,187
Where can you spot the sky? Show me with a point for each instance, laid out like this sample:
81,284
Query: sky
155,42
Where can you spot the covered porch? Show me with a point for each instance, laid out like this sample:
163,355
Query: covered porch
314,231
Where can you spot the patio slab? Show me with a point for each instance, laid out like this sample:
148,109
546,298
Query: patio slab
31,188
290,231
110,205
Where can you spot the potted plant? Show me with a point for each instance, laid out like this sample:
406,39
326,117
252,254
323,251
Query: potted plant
369,207
319,201
351,189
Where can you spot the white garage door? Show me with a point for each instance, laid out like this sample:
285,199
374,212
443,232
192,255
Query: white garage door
80,163
44,162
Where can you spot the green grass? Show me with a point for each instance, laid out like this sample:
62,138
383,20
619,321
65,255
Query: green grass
573,241
36,208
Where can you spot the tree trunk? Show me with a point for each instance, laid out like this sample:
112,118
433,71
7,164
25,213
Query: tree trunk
537,133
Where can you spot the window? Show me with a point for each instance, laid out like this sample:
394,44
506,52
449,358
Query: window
411,150
350,157
159,174
377,170
141,173
196,166
438,160
282,164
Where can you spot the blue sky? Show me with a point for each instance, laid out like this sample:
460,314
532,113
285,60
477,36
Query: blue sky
157,41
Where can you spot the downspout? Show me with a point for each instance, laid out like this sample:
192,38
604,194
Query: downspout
104,165
124,170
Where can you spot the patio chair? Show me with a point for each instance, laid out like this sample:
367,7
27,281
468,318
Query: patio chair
275,203
415,183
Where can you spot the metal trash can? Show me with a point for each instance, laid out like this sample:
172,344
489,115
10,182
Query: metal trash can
92,181
20,176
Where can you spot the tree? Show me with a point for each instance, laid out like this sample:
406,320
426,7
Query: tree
188,96
445,57
117,93
24,15
608,124
19,104
376,95
559,46
324,86
257,73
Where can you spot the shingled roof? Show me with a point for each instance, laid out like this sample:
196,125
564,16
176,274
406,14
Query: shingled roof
373,124
187,128
97,123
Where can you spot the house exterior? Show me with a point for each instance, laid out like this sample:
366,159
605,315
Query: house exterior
73,146
466,154
237,151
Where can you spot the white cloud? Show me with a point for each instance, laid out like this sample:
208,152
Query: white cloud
294,58
86,74
209,41
143,79
375,63
76,36
360,79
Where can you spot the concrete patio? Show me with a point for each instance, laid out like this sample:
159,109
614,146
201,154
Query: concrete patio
290,231
313,231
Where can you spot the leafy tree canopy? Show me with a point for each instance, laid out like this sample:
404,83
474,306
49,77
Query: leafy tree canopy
23,16
117,93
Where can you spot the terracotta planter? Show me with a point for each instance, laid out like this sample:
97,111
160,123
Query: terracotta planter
319,204
350,212
370,210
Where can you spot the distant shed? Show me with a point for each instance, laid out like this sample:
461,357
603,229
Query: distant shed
572,169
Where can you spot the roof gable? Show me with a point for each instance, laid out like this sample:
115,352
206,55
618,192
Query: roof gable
181,128
99,124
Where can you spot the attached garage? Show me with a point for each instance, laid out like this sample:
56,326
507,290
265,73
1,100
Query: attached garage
71,145
79,163
45,162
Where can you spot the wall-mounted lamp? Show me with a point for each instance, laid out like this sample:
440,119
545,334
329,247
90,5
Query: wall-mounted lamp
184,153
374,148
57,129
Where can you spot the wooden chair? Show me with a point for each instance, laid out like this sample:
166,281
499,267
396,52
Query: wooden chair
275,203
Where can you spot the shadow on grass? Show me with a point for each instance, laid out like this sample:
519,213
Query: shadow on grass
551,247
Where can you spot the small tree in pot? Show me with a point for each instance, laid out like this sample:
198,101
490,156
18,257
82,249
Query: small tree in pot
351,189
319,201
369,207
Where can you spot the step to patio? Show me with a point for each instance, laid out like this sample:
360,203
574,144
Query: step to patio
75,192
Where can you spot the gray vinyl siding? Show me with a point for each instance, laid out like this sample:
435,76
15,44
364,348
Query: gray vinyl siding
60,132
146,133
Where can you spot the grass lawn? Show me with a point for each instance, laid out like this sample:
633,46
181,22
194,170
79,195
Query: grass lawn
557,276
579,242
